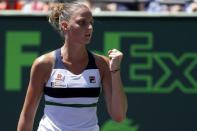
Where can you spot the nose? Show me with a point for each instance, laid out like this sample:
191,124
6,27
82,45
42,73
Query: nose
90,27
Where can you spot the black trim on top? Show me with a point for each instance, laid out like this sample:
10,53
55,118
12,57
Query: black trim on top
91,62
60,65
72,92
58,60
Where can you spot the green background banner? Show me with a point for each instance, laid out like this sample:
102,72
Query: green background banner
159,69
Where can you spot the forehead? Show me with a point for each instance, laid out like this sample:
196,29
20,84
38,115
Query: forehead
82,12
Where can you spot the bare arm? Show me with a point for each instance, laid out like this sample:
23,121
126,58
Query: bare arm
119,100
34,92
115,97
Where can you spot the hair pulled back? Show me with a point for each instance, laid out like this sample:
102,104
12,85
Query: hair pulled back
62,11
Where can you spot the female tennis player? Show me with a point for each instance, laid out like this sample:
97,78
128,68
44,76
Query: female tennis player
71,78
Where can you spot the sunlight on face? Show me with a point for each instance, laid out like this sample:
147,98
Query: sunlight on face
80,25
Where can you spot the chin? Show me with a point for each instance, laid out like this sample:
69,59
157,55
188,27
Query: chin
84,43
88,42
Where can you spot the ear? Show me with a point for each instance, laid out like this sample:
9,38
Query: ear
64,25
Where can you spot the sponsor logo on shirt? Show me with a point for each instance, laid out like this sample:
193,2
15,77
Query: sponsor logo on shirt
92,79
59,77
59,81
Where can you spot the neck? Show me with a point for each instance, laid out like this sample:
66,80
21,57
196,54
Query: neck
73,52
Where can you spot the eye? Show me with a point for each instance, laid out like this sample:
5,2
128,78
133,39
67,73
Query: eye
82,22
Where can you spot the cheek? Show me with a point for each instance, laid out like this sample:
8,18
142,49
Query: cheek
76,33
76,30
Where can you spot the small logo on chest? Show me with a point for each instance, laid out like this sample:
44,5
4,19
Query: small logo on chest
58,81
92,79
59,77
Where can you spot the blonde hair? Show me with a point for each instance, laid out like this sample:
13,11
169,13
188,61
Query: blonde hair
62,11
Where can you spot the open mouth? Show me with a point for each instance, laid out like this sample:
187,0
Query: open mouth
87,35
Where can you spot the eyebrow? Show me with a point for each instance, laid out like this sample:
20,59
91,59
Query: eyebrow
84,18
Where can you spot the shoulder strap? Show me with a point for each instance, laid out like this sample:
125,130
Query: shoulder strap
91,62
58,62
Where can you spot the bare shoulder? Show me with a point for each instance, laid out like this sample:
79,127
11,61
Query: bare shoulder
46,60
102,63
101,60
43,65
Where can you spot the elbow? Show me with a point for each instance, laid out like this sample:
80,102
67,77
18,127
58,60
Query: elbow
119,117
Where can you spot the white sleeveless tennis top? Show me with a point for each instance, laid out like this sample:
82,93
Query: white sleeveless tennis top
71,100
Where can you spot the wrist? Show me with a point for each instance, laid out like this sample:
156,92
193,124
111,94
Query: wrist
115,70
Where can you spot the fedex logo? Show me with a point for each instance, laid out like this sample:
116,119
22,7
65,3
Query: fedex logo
150,70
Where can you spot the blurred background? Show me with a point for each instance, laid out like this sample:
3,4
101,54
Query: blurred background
106,5
159,69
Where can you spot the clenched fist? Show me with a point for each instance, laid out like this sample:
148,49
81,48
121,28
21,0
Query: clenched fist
115,59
